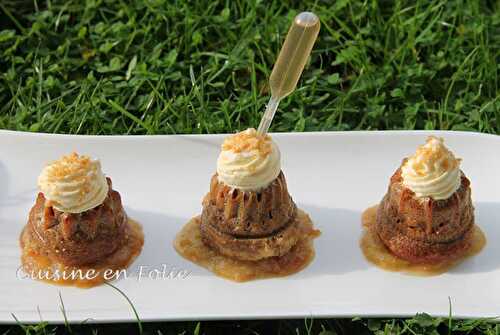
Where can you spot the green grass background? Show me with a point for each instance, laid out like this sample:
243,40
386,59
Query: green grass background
164,67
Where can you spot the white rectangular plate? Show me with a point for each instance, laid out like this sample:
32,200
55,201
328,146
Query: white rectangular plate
332,176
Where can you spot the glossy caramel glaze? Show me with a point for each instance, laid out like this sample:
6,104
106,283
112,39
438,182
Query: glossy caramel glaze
376,252
188,244
42,267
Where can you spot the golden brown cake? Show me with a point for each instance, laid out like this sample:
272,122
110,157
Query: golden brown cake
77,238
247,224
427,216
78,222
425,230
249,220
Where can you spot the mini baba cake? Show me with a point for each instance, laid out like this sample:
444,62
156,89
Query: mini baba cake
249,227
78,228
425,222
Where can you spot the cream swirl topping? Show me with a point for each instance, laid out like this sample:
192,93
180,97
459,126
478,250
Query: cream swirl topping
73,184
433,171
248,161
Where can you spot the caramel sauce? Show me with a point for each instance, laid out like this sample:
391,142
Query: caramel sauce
376,252
189,245
34,263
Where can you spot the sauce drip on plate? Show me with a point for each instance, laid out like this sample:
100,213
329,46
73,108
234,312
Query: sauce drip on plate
188,244
376,252
41,267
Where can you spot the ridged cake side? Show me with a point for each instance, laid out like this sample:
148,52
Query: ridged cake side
424,230
249,213
76,239
249,225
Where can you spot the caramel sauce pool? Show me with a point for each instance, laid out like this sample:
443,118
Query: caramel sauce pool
35,263
189,245
376,252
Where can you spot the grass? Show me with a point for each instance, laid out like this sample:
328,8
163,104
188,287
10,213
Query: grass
166,66
421,323
162,67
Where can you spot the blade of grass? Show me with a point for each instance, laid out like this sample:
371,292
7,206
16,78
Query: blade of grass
139,323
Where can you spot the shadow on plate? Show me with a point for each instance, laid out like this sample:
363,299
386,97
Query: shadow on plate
338,251
488,219
158,251
23,197
202,141
4,190
337,248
